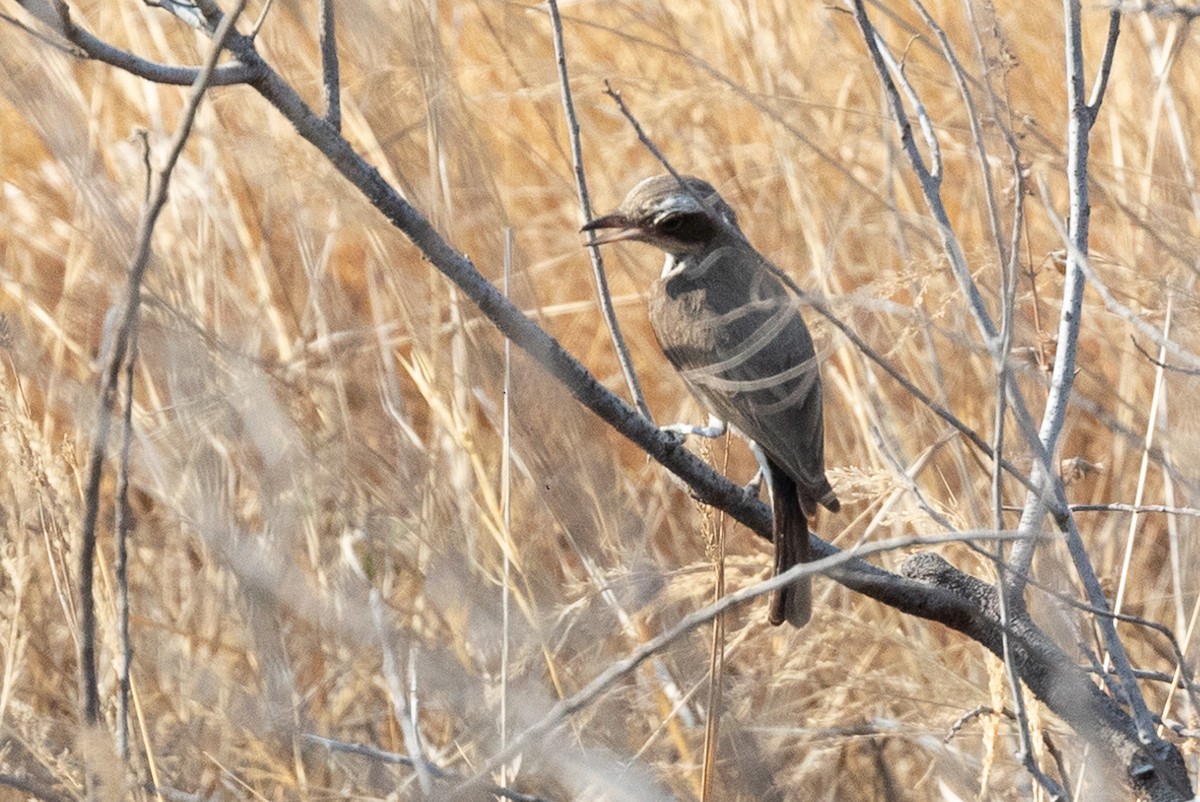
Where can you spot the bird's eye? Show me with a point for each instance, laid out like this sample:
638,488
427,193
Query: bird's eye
688,227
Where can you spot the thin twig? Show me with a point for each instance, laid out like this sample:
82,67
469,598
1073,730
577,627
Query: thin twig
1139,508
641,132
400,708
89,691
929,182
262,19
964,90
1106,62
620,669
585,204
394,758
896,66
1078,125
68,49
330,73
123,523
1153,360
1000,355
56,14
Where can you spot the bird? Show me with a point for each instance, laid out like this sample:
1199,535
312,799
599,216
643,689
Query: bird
735,335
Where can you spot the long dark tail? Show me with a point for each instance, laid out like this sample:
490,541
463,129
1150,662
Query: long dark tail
790,533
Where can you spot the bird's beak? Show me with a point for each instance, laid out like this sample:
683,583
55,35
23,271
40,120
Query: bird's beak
622,228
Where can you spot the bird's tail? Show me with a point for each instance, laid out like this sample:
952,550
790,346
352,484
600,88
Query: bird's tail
792,603
823,495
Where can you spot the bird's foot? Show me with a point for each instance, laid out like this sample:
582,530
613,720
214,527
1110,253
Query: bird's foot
754,486
715,428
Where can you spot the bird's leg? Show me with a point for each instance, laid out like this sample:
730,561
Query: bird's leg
764,471
715,428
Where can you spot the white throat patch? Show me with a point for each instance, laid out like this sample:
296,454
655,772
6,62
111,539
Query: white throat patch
672,266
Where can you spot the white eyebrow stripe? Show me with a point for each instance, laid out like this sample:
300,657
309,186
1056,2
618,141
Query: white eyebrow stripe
674,204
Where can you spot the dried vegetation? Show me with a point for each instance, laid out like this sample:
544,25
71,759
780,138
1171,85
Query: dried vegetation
318,414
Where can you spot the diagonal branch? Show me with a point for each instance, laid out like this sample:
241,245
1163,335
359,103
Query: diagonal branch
116,357
929,182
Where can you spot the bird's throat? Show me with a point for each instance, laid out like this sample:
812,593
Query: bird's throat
672,266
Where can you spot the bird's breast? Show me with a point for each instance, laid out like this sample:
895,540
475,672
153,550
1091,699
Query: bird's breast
680,313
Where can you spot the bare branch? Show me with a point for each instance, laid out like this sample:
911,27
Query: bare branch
585,204
929,183
57,15
934,171
1106,61
114,359
123,523
1153,360
330,74
583,698
394,758
1063,373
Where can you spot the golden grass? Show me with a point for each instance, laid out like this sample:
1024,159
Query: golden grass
318,412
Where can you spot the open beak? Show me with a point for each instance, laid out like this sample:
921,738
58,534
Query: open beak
615,227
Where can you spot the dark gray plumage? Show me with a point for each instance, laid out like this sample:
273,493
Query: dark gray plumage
735,335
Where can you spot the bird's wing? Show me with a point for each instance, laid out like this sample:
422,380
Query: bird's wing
754,365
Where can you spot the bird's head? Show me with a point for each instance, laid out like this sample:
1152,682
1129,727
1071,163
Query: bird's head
680,218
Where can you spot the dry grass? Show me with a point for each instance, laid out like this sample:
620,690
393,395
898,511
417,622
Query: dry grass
318,414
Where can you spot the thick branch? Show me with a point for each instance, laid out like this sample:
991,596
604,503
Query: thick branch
1054,678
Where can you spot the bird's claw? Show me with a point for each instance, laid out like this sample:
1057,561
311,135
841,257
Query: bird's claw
715,428
754,486
673,434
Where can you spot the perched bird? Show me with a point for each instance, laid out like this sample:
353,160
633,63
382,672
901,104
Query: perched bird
736,337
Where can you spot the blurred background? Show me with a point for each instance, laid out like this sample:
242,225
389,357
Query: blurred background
317,431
